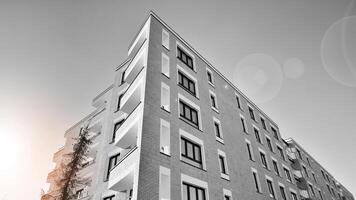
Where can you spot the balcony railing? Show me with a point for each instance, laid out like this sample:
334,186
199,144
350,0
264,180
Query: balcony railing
123,158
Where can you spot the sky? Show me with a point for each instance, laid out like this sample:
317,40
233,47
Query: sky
295,59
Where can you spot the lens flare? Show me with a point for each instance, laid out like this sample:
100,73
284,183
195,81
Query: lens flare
293,68
259,76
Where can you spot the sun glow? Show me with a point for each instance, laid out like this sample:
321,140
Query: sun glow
8,151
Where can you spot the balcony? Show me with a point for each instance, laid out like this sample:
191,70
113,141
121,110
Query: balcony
138,62
124,174
141,37
127,135
58,155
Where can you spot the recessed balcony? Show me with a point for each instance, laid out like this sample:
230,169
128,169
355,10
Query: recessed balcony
136,64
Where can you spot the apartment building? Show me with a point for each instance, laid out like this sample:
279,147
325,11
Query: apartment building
171,126
314,181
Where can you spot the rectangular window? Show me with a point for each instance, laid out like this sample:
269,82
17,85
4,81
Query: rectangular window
243,124
305,171
269,144
238,101
257,135
263,123
280,150
187,83
185,58
263,159
283,192
256,181
217,129
116,127
314,177
165,97
294,196
209,75
113,161
123,77
321,195
299,154
189,113
287,174
165,137
112,197
223,164
164,183
252,115
213,101
270,188
165,39
119,101
275,166
165,64
311,189
275,133
249,150
192,192
191,151
308,162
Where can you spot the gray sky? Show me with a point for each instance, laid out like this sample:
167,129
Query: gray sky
55,56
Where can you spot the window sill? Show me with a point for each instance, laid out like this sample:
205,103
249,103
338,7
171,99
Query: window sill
201,168
225,176
168,155
165,110
166,75
215,109
167,48
211,84
219,140
191,93
190,123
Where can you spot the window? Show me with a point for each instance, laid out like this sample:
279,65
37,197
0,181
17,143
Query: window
164,183
186,83
321,195
256,180
287,174
294,195
165,137
185,58
227,194
113,161
314,177
249,150
275,166
252,115
79,193
263,159
165,97
165,39
280,150
305,171
209,75
311,189
217,129
299,154
283,192
123,77
243,123
223,164
269,144
213,102
328,188
119,101
263,123
112,197
270,188
191,152
189,113
308,162
238,101
275,133
165,64
257,135
116,127
192,192
322,172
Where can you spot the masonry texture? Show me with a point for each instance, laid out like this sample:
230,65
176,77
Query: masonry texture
173,127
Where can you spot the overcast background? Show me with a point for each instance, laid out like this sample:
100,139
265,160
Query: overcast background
55,56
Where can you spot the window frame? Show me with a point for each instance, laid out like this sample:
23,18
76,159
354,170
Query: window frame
165,72
167,172
271,190
257,133
165,86
187,53
184,75
209,72
288,175
213,101
238,101
269,143
243,124
256,180
168,126
276,166
263,158
192,105
224,169
194,182
249,150
164,32
251,112
198,142
219,138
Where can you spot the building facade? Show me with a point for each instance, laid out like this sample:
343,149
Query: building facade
171,126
